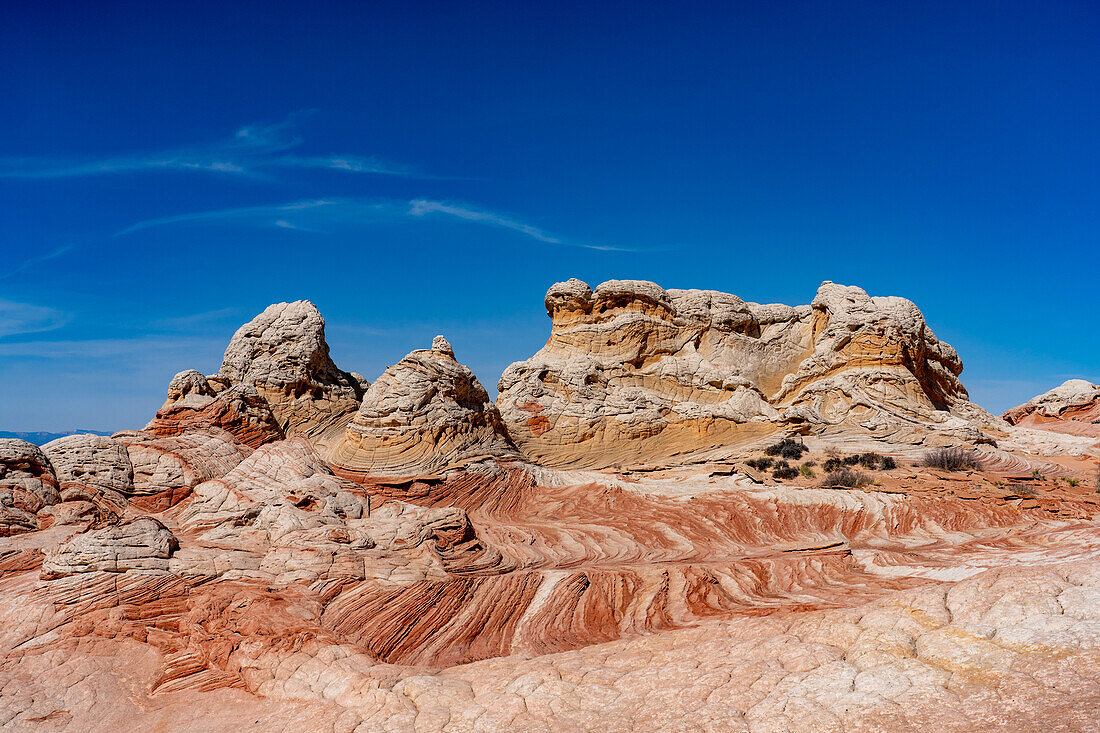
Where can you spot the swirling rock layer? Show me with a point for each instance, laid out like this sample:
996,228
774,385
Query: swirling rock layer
592,603
1072,408
425,414
635,373
283,353
27,485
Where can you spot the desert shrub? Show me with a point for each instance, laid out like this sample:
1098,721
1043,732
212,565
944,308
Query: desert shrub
870,460
785,472
845,478
1037,475
806,471
850,460
787,448
833,464
1072,481
810,463
1022,489
951,459
759,464
888,463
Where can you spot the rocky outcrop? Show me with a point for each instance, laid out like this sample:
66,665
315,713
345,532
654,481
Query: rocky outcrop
93,468
27,485
636,373
1073,407
427,413
92,460
210,572
198,402
166,468
277,380
283,353
286,475
142,544
284,508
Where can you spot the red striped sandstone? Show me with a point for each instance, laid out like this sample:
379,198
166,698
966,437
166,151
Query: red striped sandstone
1072,407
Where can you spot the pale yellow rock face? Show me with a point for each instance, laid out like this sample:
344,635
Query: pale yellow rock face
636,373
427,413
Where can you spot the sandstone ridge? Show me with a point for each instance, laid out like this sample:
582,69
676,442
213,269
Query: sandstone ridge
634,372
1073,407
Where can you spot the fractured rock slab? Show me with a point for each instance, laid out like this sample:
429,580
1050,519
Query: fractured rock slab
142,544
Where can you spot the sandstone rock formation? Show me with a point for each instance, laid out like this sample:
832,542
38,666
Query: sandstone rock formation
95,469
277,380
1072,407
271,553
196,402
166,468
93,460
142,544
425,414
27,484
635,373
283,353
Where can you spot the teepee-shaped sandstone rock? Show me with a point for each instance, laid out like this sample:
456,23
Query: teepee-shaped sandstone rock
426,413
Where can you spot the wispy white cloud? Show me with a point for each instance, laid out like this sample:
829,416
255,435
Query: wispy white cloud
38,259
467,212
422,207
16,318
324,215
251,151
275,215
347,163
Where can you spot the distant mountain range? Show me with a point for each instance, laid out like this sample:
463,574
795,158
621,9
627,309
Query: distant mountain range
41,438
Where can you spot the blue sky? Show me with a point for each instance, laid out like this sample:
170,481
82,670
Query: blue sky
169,169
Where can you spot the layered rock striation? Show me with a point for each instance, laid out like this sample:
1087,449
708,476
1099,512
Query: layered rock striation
27,485
166,468
276,380
283,353
633,372
271,551
1073,407
197,402
425,414
142,544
